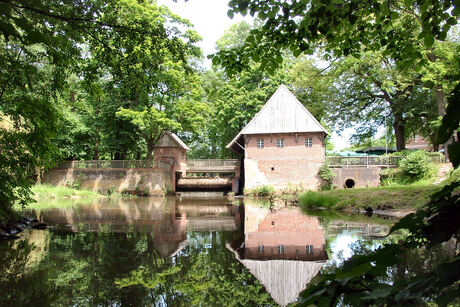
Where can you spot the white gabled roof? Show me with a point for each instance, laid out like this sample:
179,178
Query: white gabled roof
163,140
283,113
283,279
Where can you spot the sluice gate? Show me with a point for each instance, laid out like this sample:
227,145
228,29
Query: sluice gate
204,184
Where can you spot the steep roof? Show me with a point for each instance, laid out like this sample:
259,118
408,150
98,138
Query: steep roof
168,139
283,279
283,113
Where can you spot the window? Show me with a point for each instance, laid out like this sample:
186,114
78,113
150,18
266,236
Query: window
279,143
309,249
280,249
308,142
260,143
260,249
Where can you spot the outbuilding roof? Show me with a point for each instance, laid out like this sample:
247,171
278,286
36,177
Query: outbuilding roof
283,113
167,139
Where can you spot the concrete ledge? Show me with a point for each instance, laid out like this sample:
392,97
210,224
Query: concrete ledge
357,177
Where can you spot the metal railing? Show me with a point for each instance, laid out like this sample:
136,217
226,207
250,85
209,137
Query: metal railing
213,162
213,165
363,161
371,161
107,164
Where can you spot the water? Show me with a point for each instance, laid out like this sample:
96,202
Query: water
175,252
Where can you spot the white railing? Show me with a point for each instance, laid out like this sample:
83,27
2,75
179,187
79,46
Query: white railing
371,161
210,163
107,164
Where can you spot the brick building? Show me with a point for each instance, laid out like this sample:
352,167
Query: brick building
283,245
283,144
418,142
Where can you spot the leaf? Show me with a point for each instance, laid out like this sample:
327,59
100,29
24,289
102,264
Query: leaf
452,21
428,40
230,14
408,3
355,271
428,84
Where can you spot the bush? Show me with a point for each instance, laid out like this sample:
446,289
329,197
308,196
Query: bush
263,190
311,199
416,164
327,175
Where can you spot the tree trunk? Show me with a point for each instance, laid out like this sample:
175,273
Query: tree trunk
399,134
150,146
138,155
96,150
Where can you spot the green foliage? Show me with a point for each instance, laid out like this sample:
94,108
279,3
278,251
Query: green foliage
347,29
44,191
311,199
326,174
416,165
367,275
151,123
263,190
68,67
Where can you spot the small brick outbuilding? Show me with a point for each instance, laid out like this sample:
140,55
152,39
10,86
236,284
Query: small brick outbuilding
283,144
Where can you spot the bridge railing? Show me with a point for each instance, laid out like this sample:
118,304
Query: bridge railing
373,161
107,164
211,163
363,161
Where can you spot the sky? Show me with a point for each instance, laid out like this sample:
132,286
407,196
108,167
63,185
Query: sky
210,20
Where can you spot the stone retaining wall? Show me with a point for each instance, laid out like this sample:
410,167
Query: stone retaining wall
151,181
362,177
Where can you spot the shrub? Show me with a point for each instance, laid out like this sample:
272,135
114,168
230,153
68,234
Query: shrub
416,164
311,199
263,190
326,173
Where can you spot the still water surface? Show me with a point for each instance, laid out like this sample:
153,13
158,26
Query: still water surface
175,252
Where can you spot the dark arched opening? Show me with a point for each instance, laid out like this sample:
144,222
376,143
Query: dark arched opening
349,183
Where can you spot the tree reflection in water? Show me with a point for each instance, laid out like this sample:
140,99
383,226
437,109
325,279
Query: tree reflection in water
164,251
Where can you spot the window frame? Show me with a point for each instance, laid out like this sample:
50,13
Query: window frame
280,143
308,142
260,143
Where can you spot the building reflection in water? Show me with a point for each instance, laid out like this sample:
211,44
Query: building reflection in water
165,220
283,249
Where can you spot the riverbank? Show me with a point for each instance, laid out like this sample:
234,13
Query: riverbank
14,222
44,191
370,199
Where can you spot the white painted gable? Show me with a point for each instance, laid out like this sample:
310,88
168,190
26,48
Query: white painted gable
283,113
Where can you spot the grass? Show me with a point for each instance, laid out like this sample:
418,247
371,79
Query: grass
393,197
397,177
327,216
311,199
43,191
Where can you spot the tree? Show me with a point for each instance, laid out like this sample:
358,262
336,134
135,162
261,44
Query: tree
151,124
41,41
372,89
343,28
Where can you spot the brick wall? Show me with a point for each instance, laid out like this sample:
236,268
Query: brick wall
288,228
177,153
294,163
148,181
